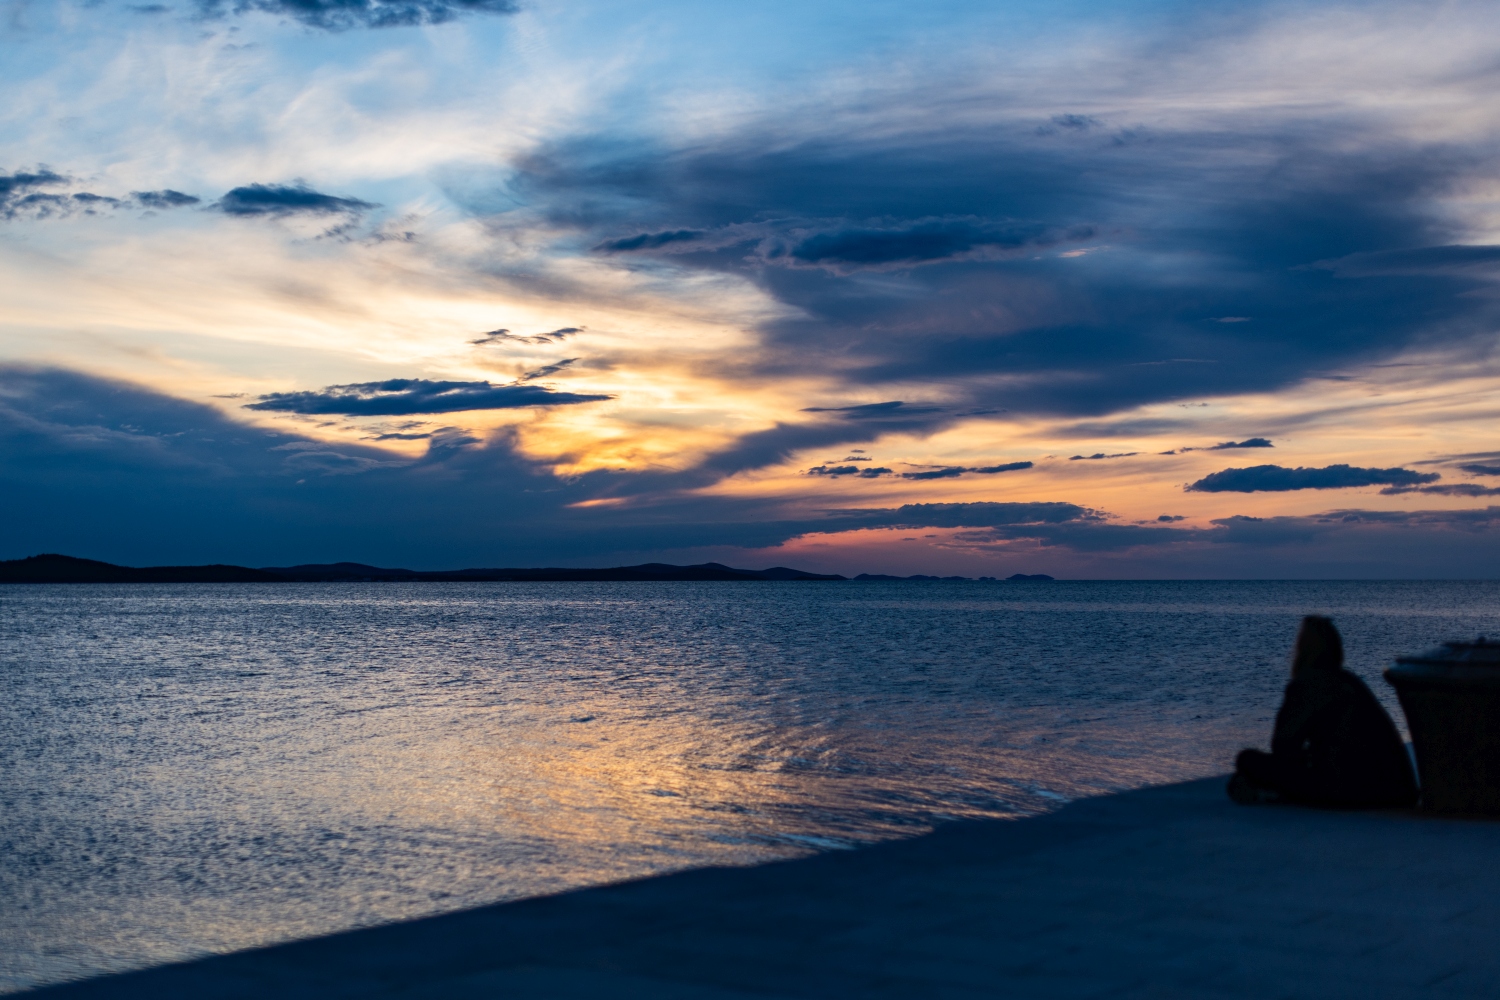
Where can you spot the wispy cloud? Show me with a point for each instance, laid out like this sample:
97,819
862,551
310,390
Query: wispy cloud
35,194
402,396
835,471
341,15
1446,489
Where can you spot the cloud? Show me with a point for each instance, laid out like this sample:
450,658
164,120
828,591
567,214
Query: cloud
863,410
550,337
314,457
1247,443
975,515
341,15
1077,123
924,241
19,190
830,223
1098,455
114,471
286,199
835,471
849,425
1481,470
1276,479
1458,260
1447,489
406,395
650,241
946,472
164,199
547,370
33,194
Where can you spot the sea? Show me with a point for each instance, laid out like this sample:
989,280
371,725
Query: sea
194,769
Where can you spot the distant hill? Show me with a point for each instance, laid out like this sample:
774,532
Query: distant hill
335,572
1018,577
66,569
53,568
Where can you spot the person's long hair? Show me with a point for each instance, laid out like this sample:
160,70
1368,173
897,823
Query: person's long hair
1319,647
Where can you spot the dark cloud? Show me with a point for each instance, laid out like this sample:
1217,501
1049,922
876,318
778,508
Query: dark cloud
1171,517
862,410
286,199
1348,538
412,395
649,241
843,425
1465,259
1099,454
19,190
835,471
114,471
975,515
32,194
923,241
163,199
945,473
90,200
1481,470
1247,443
1276,479
341,15
22,194
1000,315
550,337
1078,123
548,370
1446,489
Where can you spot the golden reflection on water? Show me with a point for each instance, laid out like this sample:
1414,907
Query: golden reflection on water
195,770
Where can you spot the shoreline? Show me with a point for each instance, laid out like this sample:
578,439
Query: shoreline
1169,890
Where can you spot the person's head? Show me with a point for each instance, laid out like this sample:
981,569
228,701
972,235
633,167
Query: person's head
1318,646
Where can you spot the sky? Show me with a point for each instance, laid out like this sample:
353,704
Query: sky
1120,289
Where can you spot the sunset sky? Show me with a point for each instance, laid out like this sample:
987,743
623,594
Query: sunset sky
1105,289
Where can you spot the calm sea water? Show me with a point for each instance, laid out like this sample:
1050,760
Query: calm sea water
193,769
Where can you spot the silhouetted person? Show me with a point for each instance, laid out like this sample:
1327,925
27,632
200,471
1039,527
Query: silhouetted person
1333,744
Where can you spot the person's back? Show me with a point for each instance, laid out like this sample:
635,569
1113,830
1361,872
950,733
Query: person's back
1334,745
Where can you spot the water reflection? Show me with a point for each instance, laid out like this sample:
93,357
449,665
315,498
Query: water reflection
202,769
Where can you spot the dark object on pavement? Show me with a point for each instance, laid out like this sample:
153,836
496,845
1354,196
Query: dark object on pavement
1451,696
1333,744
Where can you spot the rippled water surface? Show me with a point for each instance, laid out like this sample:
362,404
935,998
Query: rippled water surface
188,769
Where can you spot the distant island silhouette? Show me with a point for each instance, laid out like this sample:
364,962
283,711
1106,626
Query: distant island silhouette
52,568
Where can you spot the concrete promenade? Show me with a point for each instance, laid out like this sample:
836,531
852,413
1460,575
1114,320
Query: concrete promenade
1165,892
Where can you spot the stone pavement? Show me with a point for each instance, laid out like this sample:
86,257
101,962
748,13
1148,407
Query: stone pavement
1165,892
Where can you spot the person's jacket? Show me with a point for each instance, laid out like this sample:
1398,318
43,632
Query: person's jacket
1336,744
